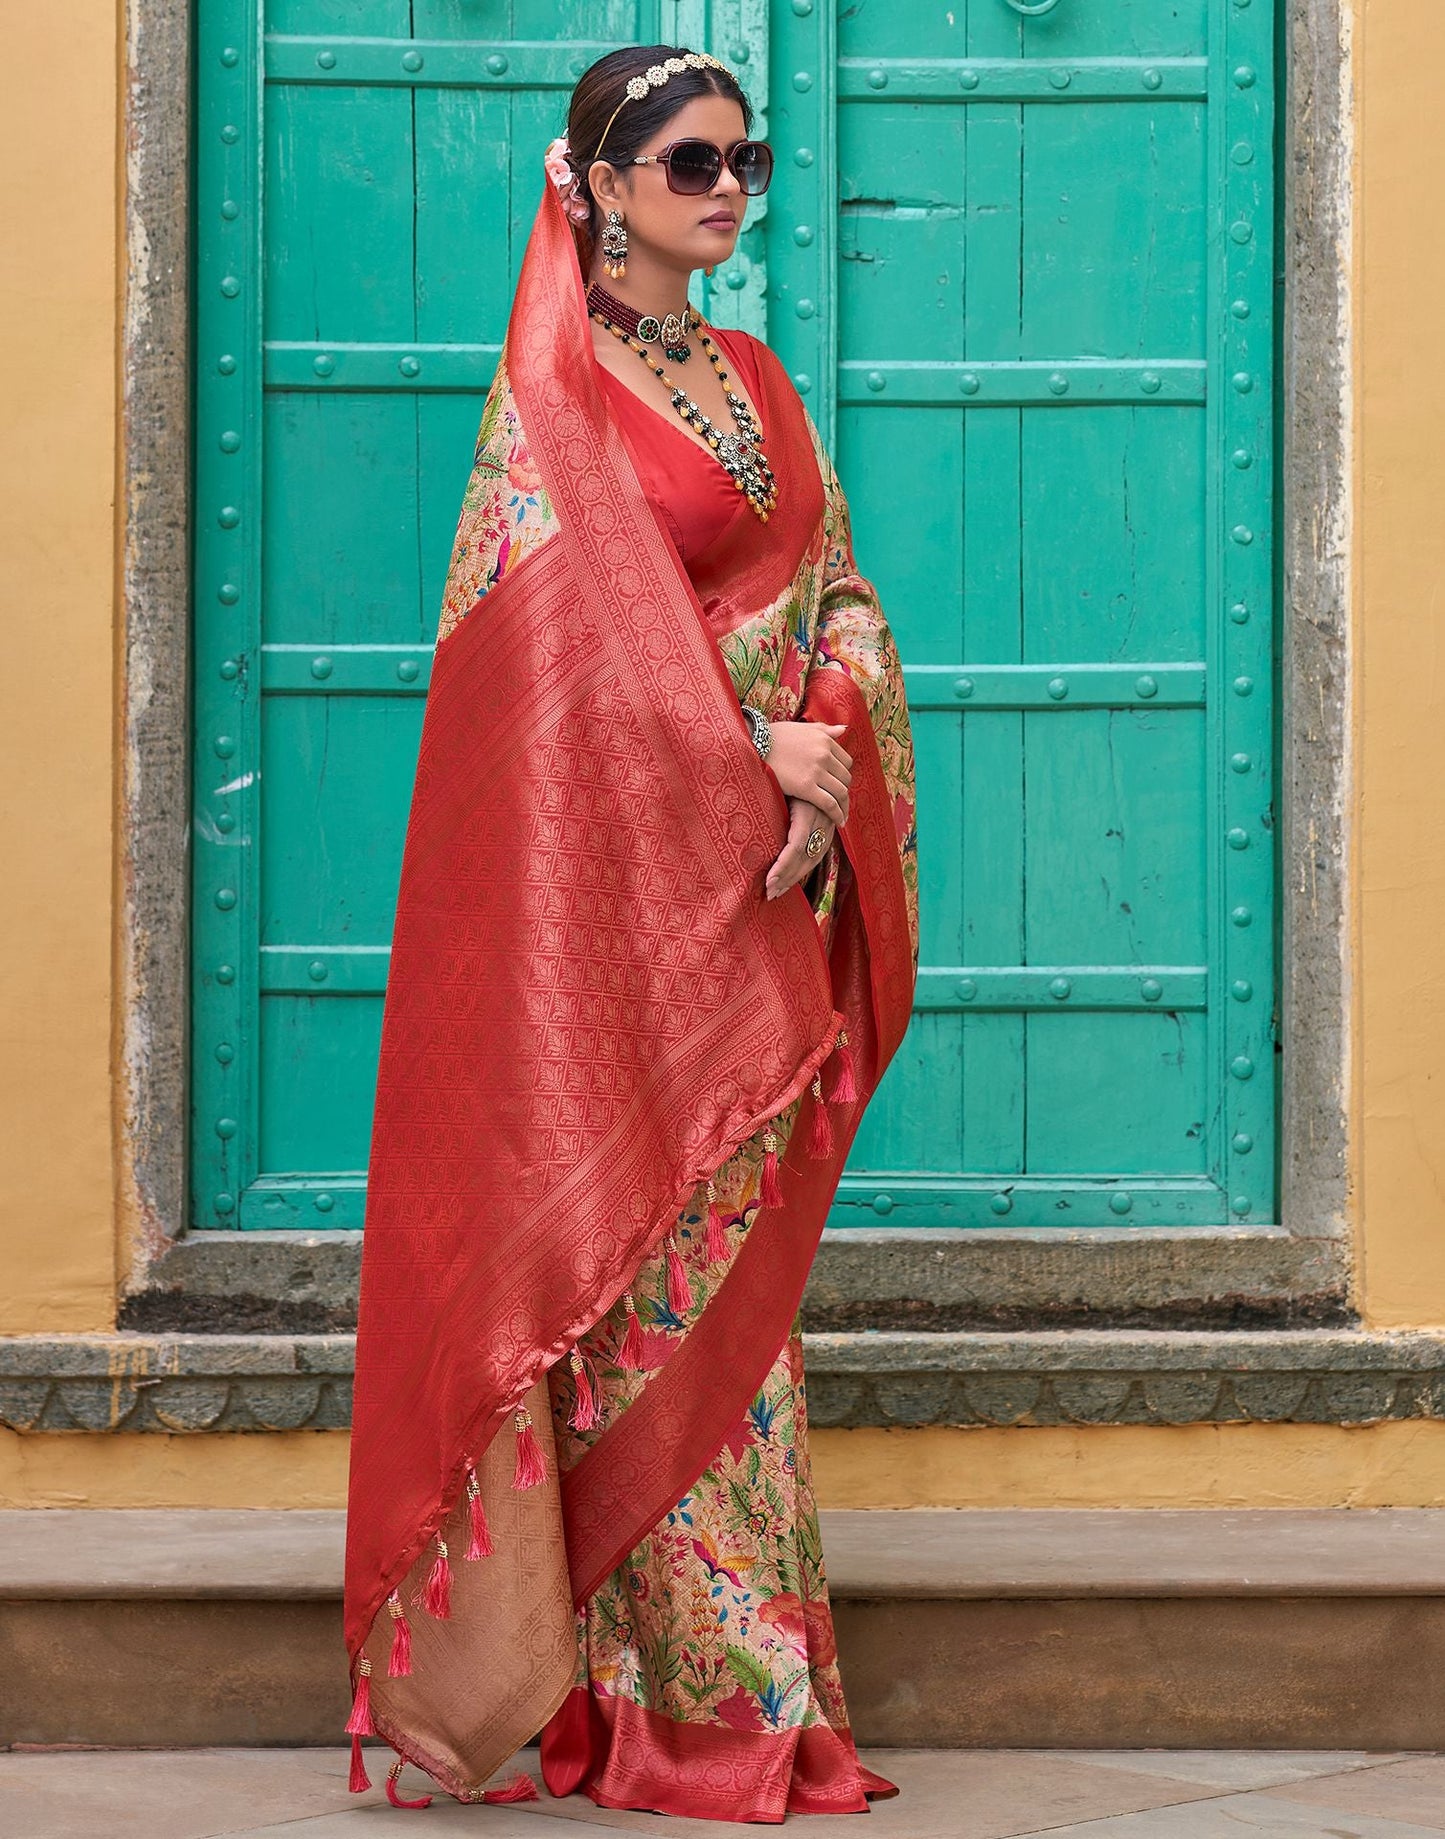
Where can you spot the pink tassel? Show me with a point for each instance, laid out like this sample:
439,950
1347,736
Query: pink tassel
519,1788
396,1799
630,1352
585,1415
399,1665
437,1597
820,1138
531,1464
717,1245
359,1724
845,1086
771,1192
679,1290
359,1781
481,1540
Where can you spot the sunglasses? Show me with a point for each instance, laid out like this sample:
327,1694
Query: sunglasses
693,166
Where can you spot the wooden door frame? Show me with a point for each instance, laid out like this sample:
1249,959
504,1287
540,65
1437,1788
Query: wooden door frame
1309,1256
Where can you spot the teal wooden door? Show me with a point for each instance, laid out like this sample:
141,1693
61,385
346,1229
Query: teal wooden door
1019,264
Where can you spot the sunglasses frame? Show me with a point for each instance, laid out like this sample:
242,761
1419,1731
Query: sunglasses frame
663,158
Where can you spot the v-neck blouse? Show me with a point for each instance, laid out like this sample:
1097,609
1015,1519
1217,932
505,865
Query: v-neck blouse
691,490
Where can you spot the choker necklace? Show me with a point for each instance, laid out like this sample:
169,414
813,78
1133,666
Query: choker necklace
672,330
741,453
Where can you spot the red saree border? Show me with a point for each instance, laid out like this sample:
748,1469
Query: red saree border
701,1771
643,1463
868,837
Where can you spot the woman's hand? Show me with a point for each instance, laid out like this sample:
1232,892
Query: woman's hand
795,863
809,763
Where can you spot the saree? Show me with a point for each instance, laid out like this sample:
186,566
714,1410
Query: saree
615,1091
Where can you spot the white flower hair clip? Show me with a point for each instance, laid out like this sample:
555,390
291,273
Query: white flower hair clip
560,172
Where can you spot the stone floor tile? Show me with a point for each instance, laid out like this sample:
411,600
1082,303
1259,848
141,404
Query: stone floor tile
945,1794
1234,1816
164,1794
1238,1769
1410,1789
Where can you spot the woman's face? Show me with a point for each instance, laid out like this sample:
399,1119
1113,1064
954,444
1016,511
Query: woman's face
676,230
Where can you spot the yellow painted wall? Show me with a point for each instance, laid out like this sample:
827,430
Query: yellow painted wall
1400,662
58,342
1196,1465
58,317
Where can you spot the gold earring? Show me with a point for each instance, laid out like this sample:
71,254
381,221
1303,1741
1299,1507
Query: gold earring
614,246
708,270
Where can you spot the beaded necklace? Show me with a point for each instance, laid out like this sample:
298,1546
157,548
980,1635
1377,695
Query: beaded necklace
741,453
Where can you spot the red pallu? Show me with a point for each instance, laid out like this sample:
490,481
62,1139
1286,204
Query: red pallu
590,1006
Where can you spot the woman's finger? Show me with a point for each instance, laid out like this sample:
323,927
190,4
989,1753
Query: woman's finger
794,863
839,789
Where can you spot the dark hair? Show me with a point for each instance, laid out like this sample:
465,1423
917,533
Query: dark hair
602,86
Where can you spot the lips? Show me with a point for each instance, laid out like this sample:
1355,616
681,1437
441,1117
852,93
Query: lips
721,221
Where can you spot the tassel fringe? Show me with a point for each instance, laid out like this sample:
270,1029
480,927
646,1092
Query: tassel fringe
820,1138
679,1290
396,1799
629,1352
399,1665
717,1245
359,1724
531,1464
519,1788
771,1192
845,1086
437,1597
480,1544
585,1413
359,1781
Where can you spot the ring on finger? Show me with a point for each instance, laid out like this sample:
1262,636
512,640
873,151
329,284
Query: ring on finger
815,844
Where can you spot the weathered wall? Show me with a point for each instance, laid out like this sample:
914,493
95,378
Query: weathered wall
1399,477
57,737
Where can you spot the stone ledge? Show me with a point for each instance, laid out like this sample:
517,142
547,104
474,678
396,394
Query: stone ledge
1215,1278
145,1554
135,1382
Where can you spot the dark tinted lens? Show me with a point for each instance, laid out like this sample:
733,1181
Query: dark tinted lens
695,166
753,164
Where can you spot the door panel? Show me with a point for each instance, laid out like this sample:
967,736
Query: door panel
1020,271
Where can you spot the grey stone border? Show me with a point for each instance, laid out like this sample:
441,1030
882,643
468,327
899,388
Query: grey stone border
195,1383
1188,1271
153,986
1314,481
862,1278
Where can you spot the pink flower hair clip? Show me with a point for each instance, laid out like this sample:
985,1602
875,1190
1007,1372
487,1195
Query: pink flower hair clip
560,172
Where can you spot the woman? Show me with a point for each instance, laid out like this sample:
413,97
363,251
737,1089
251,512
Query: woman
656,941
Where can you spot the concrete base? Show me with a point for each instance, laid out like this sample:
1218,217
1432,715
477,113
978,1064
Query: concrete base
1033,1629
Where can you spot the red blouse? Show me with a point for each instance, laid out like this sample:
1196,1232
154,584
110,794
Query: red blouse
690,489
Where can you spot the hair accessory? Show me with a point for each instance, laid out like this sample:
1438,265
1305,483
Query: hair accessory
559,171
658,74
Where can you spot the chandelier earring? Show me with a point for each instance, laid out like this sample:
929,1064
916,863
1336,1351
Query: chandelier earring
614,245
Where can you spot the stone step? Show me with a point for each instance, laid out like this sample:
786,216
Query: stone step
1073,1628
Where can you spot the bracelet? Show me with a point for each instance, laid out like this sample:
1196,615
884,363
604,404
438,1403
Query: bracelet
762,730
